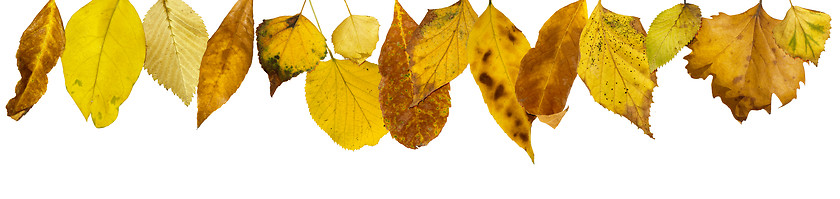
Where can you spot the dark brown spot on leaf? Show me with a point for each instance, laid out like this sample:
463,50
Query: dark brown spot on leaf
486,56
500,92
485,79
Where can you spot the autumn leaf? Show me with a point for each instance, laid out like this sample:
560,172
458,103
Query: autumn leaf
40,46
614,67
803,32
175,40
748,67
549,69
343,100
227,59
438,48
671,31
103,57
355,38
495,48
415,126
289,46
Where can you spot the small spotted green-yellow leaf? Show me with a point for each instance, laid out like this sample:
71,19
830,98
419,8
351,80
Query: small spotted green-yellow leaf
438,49
40,46
614,67
413,127
289,46
803,33
670,31
343,99
103,57
355,38
495,48
175,41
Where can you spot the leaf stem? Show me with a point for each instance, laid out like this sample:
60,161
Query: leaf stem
348,7
319,27
302,7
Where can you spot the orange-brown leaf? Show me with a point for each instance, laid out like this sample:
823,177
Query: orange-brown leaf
40,46
227,59
411,126
739,51
550,68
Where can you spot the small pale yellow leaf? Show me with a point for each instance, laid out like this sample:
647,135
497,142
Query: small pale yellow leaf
355,38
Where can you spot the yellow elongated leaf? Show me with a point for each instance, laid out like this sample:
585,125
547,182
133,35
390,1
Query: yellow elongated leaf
103,57
438,48
416,126
40,46
226,60
175,41
614,67
289,46
495,48
671,31
549,69
803,33
747,65
343,100
355,38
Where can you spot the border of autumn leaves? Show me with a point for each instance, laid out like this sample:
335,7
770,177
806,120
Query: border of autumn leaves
408,93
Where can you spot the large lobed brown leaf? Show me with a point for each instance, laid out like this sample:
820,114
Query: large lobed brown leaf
411,126
739,51
227,59
40,46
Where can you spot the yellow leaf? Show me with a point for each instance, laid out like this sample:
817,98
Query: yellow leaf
614,67
671,31
289,46
343,100
549,69
355,38
748,67
175,40
40,46
103,57
438,48
803,33
495,48
226,60
416,126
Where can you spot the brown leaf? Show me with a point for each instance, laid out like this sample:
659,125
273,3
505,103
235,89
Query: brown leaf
227,59
549,69
739,51
40,46
411,126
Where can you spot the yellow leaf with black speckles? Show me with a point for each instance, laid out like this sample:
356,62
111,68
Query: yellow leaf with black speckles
739,51
438,48
495,49
343,100
103,57
416,126
40,46
289,46
803,33
614,66
550,68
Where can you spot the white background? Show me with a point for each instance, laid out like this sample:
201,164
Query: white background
256,146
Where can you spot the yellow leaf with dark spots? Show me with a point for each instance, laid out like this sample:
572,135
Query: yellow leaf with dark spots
40,46
289,46
614,66
495,49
